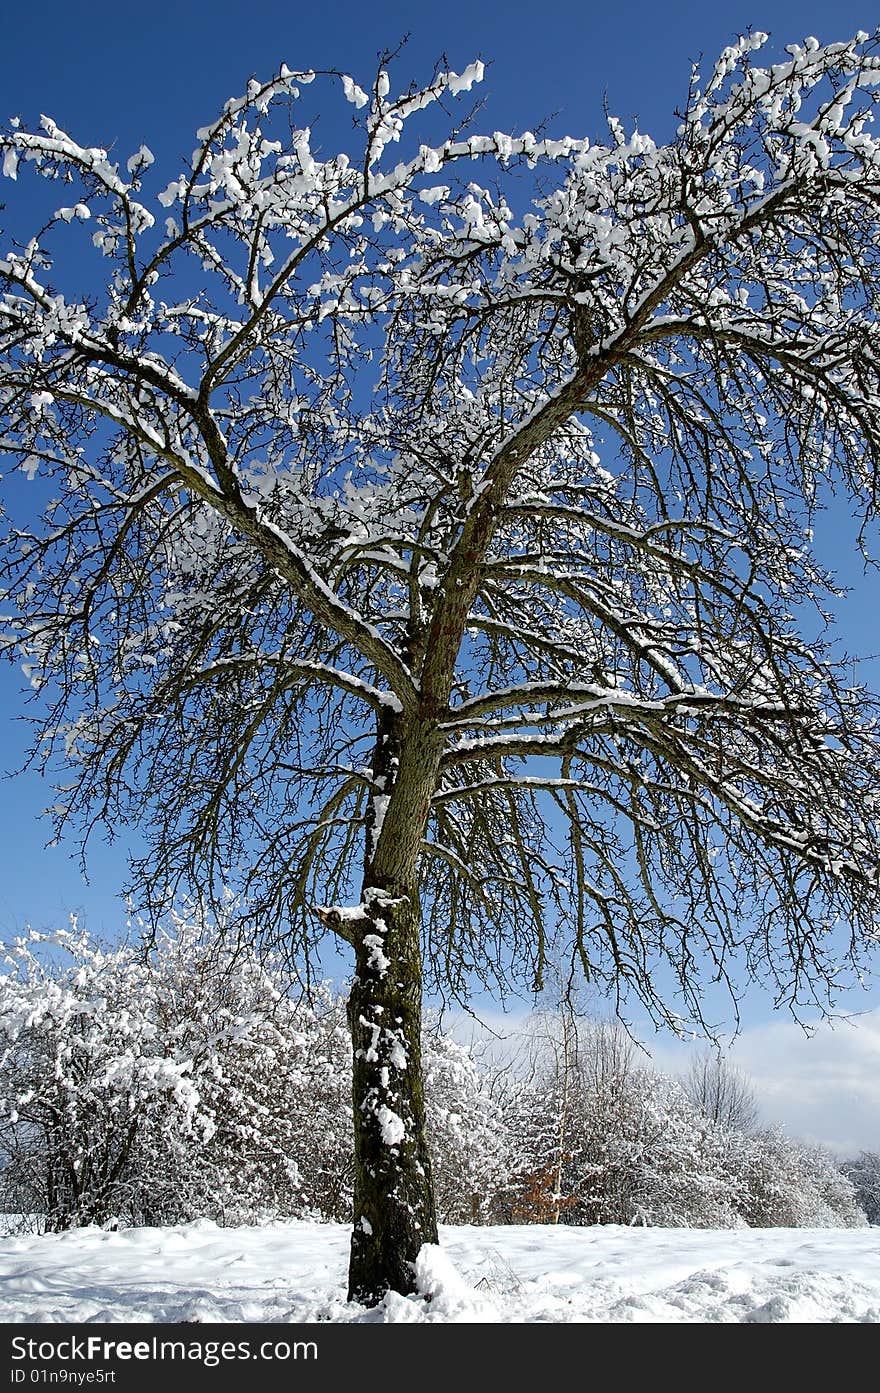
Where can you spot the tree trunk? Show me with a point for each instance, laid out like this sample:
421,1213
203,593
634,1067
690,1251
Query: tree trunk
394,1210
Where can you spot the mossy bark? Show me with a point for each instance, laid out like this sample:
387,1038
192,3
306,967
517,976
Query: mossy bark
393,1191
394,1211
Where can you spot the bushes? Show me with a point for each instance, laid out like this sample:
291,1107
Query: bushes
613,1143
80,1073
602,1141
191,1083
147,1089
785,1183
470,1149
864,1173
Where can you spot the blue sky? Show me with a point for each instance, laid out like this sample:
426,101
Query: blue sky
118,74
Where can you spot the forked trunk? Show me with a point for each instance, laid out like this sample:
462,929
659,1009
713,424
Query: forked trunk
393,1190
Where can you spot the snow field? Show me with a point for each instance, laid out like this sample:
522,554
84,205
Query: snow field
295,1272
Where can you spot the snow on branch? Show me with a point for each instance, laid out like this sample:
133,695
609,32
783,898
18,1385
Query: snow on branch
410,524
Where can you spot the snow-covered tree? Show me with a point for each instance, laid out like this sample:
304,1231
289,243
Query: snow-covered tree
253,1060
864,1172
658,1162
320,1105
615,1142
81,1070
433,568
787,1183
470,1147
560,1056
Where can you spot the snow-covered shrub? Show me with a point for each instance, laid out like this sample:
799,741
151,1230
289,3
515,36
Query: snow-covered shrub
646,1155
249,1054
470,1148
321,1108
785,1183
654,1159
191,1083
864,1173
150,1088
81,1068
600,1140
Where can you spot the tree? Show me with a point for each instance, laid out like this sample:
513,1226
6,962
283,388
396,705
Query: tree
78,1074
470,1146
606,1141
251,1056
428,560
556,1043
787,1183
722,1093
864,1173
647,1156
144,1090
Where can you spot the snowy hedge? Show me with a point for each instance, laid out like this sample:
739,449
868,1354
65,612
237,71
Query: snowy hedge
601,1140
192,1082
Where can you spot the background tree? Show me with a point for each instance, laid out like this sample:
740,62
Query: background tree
722,1093
430,562
864,1172
79,1072
152,1090
787,1183
471,1150
616,1143
635,1148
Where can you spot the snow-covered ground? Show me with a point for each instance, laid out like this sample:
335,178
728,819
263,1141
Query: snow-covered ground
295,1272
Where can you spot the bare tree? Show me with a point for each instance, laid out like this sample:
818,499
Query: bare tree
722,1093
435,571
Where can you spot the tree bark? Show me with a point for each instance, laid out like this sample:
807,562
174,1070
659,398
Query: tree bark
394,1210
